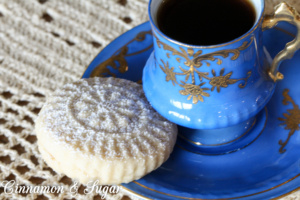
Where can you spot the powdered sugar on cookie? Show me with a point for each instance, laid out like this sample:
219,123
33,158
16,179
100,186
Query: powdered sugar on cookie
107,117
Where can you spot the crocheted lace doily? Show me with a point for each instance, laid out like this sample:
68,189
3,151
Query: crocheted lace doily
45,44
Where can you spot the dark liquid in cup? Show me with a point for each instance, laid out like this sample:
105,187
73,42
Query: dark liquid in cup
205,22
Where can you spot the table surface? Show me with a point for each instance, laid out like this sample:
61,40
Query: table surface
45,44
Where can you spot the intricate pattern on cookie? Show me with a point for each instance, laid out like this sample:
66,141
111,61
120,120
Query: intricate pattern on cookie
103,129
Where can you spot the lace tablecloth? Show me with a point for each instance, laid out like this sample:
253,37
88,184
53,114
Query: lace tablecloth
43,45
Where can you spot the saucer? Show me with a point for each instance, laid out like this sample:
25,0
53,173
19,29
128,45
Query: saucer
268,167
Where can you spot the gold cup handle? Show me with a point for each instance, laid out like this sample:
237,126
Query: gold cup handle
283,12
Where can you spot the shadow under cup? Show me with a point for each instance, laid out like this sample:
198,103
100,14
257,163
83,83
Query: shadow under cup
213,92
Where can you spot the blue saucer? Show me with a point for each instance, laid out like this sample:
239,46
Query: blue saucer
268,167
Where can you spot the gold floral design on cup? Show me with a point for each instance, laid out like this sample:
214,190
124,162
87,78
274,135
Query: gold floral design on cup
194,91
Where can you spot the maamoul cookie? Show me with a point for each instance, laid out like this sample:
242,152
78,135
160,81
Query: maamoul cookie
103,129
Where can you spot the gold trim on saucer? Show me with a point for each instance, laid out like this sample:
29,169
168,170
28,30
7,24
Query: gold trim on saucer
291,119
102,70
284,195
170,195
200,144
272,188
249,195
134,193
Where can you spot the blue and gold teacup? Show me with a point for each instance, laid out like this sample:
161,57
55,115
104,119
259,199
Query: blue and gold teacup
218,86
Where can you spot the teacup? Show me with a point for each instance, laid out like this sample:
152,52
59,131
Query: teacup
217,86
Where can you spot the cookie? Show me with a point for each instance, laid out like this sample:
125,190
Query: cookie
103,129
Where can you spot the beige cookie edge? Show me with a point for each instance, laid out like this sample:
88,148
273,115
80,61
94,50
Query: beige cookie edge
75,164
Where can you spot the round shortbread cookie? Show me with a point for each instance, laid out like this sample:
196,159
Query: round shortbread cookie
103,129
